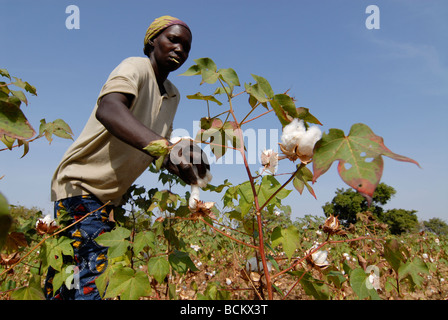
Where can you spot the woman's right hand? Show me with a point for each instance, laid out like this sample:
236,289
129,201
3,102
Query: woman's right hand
187,161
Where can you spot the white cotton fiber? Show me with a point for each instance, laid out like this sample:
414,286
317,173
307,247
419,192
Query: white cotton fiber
295,134
309,139
292,133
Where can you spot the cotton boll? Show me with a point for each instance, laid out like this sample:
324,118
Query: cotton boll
47,220
297,142
251,265
320,257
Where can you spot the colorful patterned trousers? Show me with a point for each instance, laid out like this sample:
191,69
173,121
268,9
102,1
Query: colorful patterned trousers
90,259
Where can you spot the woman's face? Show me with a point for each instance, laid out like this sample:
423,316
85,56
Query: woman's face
171,47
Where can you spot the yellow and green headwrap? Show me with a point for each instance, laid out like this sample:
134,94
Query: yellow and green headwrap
160,24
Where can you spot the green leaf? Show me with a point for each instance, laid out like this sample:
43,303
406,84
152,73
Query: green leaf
257,93
314,287
336,277
4,206
289,238
181,262
359,156
194,70
301,180
264,86
24,85
411,270
260,91
5,73
20,95
207,69
393,254
359,281
165,200
103,280
246,201
143,239
8,141
390,284
13,122
116,241
284,107
230,77
158,267
172,295
31,292
280,113
128,284
269,185
53,251
4,91
200,96
58,127
5,220
305,115
26,146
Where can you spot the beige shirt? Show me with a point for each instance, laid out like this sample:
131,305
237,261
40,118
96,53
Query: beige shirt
97,162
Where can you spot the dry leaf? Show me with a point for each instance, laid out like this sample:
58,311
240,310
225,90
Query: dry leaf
9,259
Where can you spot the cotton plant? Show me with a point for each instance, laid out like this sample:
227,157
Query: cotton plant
300,140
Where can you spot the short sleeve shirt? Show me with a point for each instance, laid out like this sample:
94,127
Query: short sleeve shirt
97,162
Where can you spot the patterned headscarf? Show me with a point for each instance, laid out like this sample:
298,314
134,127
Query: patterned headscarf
160,24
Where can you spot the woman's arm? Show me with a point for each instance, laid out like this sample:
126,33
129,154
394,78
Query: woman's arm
114,113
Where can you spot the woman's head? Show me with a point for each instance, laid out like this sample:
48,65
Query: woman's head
157,27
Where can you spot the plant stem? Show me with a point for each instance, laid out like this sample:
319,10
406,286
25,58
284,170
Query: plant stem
228,236
248,114
257,206
294,285
264,113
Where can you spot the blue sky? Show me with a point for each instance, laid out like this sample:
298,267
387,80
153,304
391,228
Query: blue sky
394,79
